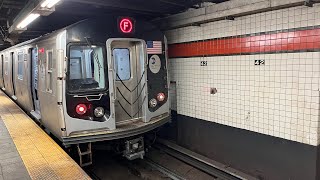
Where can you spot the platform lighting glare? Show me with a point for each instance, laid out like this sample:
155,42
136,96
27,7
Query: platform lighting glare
31,17
49,3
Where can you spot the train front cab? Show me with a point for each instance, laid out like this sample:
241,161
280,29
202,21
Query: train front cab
118,105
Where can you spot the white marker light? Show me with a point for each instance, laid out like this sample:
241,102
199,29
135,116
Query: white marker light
98,112
49,3
31,17
153,103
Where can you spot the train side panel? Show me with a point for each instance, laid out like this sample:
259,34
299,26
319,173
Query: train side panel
51,114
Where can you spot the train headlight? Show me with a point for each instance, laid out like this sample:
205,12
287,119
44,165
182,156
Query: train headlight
161,97
98,112
81,109
153,103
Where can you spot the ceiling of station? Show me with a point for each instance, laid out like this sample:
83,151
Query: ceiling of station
71,11
8,10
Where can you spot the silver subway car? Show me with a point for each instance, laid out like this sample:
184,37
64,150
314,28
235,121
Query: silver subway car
95,80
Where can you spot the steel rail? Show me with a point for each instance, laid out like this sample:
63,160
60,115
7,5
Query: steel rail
163,170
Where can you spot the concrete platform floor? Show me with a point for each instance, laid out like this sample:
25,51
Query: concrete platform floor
27,152
11,164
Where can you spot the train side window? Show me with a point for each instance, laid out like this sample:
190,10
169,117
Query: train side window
20,65
6,65
49,70
122,63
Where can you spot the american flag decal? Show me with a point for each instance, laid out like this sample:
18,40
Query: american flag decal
154,47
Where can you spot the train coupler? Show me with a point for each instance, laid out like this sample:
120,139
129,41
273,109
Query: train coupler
134,149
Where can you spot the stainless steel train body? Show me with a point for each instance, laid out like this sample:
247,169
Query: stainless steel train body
91,81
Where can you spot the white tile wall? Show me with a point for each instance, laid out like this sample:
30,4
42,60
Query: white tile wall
268,21
173,96
280,99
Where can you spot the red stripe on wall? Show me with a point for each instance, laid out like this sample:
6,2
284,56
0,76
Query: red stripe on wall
285,41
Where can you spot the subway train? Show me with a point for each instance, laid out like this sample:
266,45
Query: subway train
95,80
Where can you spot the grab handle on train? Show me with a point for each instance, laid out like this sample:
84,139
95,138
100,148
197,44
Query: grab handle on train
90,97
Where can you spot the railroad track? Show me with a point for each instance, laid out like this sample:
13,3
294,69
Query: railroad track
215,169
172,175
154,166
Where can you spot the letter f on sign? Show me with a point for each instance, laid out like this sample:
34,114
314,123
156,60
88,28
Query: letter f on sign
125,25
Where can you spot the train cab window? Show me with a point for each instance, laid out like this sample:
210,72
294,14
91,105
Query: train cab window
20,65
49,68
122,63
86,68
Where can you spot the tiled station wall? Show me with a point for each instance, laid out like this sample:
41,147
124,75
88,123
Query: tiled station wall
265,68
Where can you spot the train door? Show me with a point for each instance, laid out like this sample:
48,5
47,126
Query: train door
13,75
34,83
127,76
2,72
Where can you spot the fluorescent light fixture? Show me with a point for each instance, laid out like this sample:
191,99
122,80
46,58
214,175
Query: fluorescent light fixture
45,3
31,17
49,3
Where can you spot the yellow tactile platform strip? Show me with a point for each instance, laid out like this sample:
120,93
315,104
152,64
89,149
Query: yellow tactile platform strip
43,158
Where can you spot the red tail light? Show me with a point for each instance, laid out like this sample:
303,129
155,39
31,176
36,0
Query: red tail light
81,109
161,97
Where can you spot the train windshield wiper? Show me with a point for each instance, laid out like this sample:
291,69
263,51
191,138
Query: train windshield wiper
96,58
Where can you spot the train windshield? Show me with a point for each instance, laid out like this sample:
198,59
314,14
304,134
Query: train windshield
86,68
